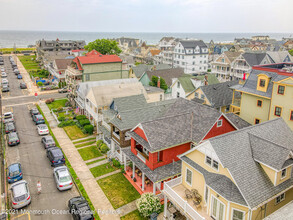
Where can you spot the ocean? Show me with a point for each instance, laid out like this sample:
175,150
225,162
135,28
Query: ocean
25,38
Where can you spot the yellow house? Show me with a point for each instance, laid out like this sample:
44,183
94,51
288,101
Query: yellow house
267,94
241,175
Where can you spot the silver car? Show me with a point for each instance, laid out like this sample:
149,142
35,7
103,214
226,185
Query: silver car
42,129
20,195
62,178
3,75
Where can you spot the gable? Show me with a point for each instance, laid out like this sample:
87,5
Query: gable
287,81
140,132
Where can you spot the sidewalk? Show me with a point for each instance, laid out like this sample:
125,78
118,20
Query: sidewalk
95,193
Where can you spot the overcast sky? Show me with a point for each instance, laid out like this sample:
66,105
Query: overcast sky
148,15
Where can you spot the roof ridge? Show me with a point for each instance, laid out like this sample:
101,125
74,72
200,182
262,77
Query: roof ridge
153,106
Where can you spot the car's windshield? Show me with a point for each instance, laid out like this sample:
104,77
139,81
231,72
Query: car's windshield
42,127
13,137
64,179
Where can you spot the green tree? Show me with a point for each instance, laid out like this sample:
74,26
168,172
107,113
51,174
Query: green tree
291,52
104,46
154,82
40,84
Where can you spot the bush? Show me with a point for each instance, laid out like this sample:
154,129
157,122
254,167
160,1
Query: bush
84,122
80,117
147,204
89,129
59,85
66,123
104,148
61,118
40,84
60,109
99,144
48,101
67,104
116,163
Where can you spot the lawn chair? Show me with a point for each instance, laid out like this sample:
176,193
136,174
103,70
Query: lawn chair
188,194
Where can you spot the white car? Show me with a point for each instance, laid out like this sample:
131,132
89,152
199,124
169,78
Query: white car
3,75
8,117
62,178
42,129
4,81
2,69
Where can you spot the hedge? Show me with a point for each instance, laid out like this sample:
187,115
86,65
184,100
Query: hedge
89,129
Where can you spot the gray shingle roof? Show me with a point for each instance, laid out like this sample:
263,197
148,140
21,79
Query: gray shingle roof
166,74
220,183
237,121
142,68
219,94
161,173
235,153
129,102
254,58
193,43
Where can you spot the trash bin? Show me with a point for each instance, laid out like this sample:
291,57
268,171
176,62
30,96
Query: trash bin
154,216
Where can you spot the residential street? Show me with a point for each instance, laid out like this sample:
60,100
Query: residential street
32,155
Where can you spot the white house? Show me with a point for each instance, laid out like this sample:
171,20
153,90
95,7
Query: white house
191,55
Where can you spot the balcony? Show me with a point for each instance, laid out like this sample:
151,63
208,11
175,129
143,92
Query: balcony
175,191
71,71
116,135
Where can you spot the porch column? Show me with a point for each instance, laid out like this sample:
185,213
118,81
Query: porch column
124,162
112,147
154,188
165,206
143,177
133,170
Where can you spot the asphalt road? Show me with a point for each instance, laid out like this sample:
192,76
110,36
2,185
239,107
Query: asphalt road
32,156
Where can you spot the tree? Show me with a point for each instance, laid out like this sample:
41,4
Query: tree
40,84
154,82
147,204
104,46
291,52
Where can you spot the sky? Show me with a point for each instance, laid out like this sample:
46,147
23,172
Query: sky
196,16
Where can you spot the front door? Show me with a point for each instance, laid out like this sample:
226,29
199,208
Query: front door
217,209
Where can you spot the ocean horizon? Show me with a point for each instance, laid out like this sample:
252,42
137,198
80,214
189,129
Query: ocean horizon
9,38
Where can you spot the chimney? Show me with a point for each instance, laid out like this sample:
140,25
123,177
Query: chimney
206,80
159,82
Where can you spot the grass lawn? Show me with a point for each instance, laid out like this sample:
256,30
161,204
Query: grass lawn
134,215
89,153
102,169
84,140
118,190
57,104
74,132
28,63
95,161
85,144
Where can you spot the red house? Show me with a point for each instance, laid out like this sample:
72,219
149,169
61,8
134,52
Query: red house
155,145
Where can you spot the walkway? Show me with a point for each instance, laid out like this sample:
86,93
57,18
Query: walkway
108,174
124,210
94,191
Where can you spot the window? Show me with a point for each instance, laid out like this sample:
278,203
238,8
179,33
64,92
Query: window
202,96
291,115
193,63
193,57
262,83
160,156
219,123
208,160
280,198
87,77
188,176
256,121
196,95
281,90
178,94
284,173
161,97
223,60
237,215
178,84
207,194
182,57
215,165
259,103
278,111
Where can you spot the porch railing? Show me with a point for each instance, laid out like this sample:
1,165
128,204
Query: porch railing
140,156
116,135
179,200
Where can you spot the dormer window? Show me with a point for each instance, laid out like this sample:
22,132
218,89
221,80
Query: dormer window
284,173
262,83
212,163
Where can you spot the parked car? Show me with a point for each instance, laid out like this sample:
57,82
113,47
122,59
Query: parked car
34,111
63,90
2,69
3,75
8,117
80,209
19,76
16,71
62,178
10,127
22,85
5,88
38,119
14,173
48,142
5,82
55,156
20,195
1,63
13,139
42,129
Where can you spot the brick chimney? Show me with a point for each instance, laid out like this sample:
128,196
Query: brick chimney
206,80
159,82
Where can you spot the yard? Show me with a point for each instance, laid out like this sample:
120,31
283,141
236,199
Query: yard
133,216
85,144
89,152
118,190
28,63
57,104
102,169
74,132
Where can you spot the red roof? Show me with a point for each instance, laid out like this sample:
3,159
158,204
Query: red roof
77,50
96,57
77,63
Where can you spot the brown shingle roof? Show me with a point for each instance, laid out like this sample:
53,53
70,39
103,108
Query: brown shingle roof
63,63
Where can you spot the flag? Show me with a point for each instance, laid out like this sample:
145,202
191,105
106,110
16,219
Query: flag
244,76
76,110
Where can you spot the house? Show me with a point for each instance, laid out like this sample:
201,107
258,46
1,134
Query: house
155,94
124,114
78,52
166,56
93,67
260,38
192,56
127,61
57,69
242,41
242,65
266,94
139,70
218,96
186,84
280,56
288,45
100,97
245,174
155,144
84,87
221,67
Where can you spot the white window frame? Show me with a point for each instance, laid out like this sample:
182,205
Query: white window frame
233,209
276,203
207,162
211,206
212,163
190,184
221,120
282,177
